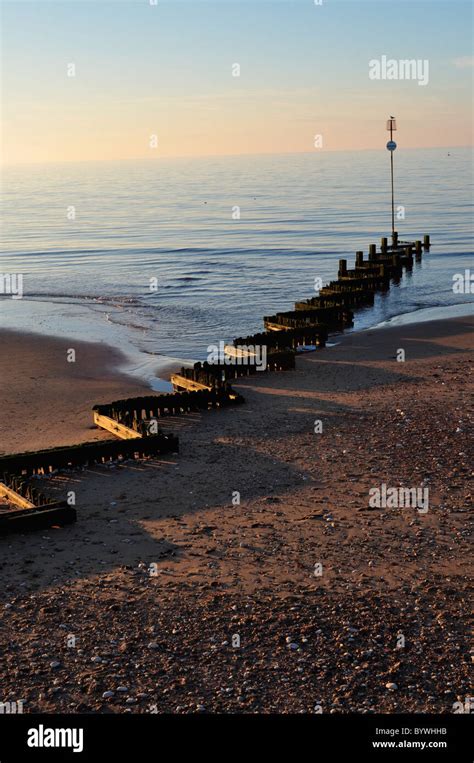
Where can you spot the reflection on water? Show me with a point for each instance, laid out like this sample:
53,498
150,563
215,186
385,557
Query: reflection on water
156,263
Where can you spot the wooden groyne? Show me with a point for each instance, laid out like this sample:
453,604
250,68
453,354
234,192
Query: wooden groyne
23,520
137,414
310,323
286,339
204,386
133,421
333,318
42,462
26,507
212,375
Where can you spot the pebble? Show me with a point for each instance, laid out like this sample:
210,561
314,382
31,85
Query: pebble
54,664
108,694
352,636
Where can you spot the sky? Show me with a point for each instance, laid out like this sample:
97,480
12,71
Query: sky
156,80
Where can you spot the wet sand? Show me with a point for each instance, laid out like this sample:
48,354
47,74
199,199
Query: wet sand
47,400
221,568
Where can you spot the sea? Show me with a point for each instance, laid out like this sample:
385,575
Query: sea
162,258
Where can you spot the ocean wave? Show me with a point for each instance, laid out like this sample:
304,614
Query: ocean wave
88,298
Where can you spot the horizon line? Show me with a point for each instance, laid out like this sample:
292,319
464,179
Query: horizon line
223,156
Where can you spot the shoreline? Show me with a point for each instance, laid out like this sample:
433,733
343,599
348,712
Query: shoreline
99,375
249,569
139,367
427,314
50,399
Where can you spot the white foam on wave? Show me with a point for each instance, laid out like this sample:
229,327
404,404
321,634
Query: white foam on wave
428,314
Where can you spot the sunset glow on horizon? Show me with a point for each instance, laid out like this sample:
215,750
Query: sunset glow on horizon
129,80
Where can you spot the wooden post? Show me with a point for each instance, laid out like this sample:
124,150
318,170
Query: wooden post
395,238
15,498
418,248
383,245
426,242
359,259
372,252
342,267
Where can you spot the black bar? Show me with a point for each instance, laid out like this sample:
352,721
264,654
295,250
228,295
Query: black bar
128,737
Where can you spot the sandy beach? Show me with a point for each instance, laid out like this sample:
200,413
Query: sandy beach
48,399
317,585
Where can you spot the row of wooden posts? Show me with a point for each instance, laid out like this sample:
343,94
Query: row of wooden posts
41,462
313,319
139,414
32,518
30,509
130,420
214,375
23,487
205,386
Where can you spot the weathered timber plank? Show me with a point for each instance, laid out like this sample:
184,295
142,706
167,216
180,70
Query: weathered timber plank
182,383
14,497
67,457
60,514
238,352
120,430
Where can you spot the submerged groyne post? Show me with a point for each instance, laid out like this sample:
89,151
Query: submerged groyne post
426,242
396,267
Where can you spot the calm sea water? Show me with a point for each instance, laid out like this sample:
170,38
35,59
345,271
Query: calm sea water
216,276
